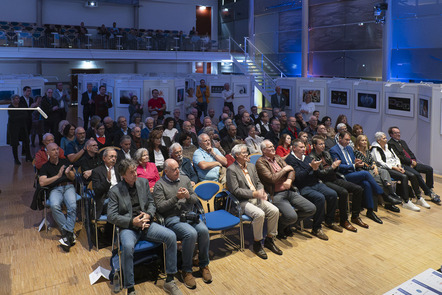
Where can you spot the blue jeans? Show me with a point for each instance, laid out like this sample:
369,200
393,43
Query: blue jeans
65,194
155,233
318,194
189,234
364,179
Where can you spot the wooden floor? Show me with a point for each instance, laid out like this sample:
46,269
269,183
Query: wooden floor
371,261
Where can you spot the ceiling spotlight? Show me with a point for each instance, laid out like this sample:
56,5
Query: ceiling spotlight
91,4
202,7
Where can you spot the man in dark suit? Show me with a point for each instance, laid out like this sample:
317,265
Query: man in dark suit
121,131
50,106
409,162
88,103
278,99
312,189
63,98
343,152
26,101
274,133
227,142
104,177
243,182
132,209
127,149
242,131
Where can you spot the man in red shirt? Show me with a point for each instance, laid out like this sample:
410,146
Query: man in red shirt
157,103
103,102
41,157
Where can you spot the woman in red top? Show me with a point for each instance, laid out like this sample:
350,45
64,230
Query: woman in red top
145,168
283,149
304,137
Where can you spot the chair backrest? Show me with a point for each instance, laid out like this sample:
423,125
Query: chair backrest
254,157
206,191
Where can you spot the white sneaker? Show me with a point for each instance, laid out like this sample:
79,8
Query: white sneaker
423,203
410,206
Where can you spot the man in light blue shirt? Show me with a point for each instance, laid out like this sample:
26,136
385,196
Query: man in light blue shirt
207,160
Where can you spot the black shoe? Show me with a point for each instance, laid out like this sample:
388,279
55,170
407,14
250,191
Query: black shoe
259,250
392,199
392,208
288,231
372,216
65,242
270,244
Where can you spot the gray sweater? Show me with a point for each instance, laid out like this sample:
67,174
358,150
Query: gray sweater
165,196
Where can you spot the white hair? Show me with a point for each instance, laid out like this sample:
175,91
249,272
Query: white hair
237,149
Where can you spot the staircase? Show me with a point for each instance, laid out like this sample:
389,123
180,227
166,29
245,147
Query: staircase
251,61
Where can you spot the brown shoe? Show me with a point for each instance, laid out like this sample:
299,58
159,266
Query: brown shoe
189,280
205,273
359,222
334,227
348,226
320,234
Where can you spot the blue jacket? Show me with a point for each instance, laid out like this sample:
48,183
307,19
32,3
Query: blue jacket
344,167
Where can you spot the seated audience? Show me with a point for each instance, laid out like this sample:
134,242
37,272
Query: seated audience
76,149
41,157
303,136
277,178
111,127
68,136
312,189
341,127
187,129
283,120
58,175
224,131
104,177
60,129
90,160
263,126
174,195
253,141
387,158
242,126
328,141
148,128
300,123
382,177
410,163
342,119
146,169
316,114
123,129
90,132
243,182
327,121
100,136
342,151
137,140
207,160
254,114
185,164
127,149
227,141
311,129
274,134
132,209
283,150
356,131
327,173
169,130
214,137
291,128
158,153
178,120
185,140
136,120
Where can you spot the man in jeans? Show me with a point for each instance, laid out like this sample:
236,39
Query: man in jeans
57,174
131,208
174,196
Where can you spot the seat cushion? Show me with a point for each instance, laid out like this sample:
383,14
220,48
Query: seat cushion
220,220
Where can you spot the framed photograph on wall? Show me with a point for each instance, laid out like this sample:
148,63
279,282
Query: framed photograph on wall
287,91
179,95
216,89
241,89
125,94
36,92
424,108
339,98
316,93
367,101
399,104
6,94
